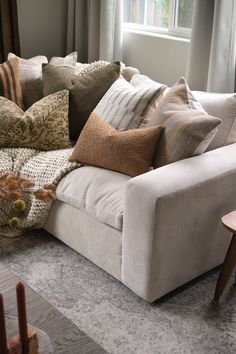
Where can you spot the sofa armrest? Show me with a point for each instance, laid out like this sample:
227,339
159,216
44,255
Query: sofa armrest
172,231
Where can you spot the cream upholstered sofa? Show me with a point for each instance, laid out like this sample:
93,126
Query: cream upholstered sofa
161,229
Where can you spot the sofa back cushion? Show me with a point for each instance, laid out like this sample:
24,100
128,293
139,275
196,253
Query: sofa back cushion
85,91
221,105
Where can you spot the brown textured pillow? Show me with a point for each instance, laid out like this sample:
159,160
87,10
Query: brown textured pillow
85,91
129,152
10,82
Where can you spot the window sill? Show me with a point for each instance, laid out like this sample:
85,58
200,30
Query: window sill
157,34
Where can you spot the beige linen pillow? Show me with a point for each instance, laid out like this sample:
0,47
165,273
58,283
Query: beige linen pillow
10,81
43,126
126,107
188,129
129,152
31,78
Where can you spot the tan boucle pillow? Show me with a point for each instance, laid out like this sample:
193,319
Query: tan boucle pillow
129,152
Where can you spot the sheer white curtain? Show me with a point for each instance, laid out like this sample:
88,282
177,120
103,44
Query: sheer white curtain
94,29
212,56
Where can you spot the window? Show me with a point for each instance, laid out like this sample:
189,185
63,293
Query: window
172,17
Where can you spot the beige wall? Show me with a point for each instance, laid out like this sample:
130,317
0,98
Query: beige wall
160,57
42,26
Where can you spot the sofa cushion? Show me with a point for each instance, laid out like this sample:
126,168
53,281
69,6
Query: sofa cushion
97,192
222,105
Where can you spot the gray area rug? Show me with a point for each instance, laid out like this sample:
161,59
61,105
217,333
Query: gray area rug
183,322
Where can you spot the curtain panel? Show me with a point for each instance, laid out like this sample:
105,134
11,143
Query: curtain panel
9,32
94,29
212,54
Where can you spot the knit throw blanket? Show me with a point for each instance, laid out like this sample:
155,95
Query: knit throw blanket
40,168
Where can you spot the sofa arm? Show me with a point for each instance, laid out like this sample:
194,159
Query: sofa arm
172,231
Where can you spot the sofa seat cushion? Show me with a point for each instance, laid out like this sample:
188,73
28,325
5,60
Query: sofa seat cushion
97,192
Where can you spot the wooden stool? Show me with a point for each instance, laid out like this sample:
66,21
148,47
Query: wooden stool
229,221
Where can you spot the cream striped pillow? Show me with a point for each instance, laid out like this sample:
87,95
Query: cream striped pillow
124,106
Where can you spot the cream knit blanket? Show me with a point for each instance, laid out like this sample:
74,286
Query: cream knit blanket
39,167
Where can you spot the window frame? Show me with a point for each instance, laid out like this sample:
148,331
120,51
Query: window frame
171,30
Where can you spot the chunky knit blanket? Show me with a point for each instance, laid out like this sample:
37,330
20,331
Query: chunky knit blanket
39,167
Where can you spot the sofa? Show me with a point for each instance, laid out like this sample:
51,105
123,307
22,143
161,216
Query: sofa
152,229
161,229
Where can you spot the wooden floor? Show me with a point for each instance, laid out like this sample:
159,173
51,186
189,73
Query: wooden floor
65,336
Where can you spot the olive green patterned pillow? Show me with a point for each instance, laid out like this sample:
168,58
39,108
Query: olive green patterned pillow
43,126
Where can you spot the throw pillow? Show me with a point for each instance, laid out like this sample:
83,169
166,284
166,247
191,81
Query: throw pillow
143,81
43,126
10,82
31,78
188,128
124,106
126,71
84,68
69,60
129,152
85,91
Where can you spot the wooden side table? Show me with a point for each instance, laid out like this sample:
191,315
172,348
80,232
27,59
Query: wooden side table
229,221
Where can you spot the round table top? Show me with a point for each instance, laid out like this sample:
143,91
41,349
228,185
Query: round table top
229,221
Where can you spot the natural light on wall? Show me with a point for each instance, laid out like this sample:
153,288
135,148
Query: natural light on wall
172,17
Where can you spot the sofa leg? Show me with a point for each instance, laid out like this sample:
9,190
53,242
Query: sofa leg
228,266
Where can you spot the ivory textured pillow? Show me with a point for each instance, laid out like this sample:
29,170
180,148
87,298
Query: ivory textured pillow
43,126
129,152
124,106
10,81
31,78
85,91
188,128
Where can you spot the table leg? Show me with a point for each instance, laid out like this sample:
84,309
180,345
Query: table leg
228,266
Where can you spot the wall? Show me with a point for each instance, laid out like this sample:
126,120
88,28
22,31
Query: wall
43,23
163,58
42,26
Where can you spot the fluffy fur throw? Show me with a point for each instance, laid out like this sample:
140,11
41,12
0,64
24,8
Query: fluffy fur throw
39,167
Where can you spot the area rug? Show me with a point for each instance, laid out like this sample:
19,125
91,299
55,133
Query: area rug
186,321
